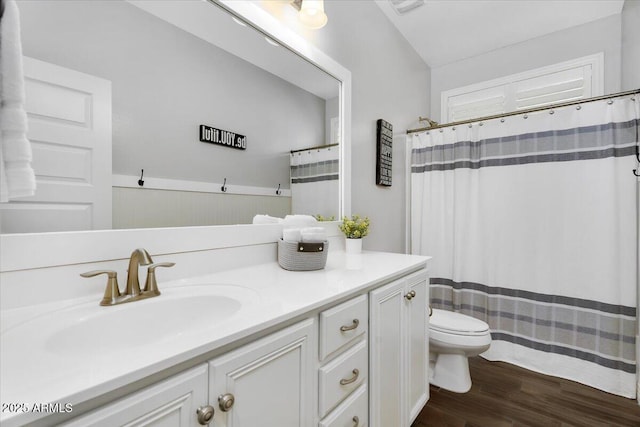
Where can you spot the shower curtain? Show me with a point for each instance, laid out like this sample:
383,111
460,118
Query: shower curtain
531,220
314,182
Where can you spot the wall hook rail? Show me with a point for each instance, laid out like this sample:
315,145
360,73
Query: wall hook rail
224,186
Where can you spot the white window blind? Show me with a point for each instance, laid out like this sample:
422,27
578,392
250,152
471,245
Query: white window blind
577,79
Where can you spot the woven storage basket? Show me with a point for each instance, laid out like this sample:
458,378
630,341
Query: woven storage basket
298,256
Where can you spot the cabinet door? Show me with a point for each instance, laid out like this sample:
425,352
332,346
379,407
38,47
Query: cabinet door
271,380
170,403
398,373
386,356
417,346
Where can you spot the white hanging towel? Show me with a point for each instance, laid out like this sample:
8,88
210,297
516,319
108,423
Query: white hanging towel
17,178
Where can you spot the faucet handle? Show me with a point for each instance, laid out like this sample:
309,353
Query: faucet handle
112,291
151,285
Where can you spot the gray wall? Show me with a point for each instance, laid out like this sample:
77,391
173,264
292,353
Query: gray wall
390,82
603,35
631,45
167,82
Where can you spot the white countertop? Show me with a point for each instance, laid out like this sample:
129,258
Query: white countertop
31,373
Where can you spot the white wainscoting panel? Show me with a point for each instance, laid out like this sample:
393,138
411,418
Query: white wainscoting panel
144,208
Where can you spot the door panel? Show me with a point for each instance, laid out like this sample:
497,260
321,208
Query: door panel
69,120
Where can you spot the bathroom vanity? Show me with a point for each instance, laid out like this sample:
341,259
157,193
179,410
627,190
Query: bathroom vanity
233,339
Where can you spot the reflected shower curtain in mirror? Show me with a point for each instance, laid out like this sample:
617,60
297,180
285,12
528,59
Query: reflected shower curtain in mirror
314,182
532,223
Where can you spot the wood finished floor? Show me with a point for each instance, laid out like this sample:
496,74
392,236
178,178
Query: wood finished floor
506,395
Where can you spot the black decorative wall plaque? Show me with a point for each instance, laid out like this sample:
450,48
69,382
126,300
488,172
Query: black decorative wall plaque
222,137
384,139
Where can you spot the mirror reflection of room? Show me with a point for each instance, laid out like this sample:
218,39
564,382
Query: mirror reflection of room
122,93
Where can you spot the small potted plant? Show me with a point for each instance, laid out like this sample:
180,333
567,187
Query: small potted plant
354,229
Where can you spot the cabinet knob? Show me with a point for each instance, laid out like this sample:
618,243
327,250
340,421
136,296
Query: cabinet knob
351,327
356,421
205,414
226,401
410,295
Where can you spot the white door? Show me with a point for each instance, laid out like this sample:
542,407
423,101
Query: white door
270,381
69,119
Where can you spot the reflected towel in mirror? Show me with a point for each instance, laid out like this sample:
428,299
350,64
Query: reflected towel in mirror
17,178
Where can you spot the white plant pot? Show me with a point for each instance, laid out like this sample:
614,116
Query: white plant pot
353,246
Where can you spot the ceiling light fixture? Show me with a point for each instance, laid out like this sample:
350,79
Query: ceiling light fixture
311,13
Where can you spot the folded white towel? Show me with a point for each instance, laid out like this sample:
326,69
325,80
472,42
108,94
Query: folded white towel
266,219
313,234
17,178
299,221
291,235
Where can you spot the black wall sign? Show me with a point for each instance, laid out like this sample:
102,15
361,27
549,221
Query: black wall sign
222,137
384,139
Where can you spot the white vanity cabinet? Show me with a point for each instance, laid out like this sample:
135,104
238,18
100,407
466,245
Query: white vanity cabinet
399,353
359,359
268,382
169,403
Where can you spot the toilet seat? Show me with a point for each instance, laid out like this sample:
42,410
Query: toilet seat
453,323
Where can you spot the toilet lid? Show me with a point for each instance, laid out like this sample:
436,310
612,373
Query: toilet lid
448,321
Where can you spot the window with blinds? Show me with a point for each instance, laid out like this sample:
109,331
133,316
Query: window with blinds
566,81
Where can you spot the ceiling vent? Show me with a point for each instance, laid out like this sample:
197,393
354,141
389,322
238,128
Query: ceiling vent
405,6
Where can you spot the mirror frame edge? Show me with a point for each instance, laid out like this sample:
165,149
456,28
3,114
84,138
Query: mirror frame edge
266,23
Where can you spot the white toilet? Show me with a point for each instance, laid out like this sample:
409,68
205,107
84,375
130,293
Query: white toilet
453,337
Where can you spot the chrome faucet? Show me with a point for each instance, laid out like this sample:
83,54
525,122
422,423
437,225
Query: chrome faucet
138,257
112,295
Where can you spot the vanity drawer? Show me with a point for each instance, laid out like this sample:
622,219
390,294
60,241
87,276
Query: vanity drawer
341,376
342,324
353,412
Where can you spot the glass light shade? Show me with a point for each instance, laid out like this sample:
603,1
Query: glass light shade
312,13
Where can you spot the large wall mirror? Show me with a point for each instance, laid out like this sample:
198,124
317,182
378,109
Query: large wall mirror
176,113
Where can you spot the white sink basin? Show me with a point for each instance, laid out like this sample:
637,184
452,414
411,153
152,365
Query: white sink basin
92,329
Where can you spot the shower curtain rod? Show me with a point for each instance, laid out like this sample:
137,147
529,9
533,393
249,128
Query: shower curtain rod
317,147
530,110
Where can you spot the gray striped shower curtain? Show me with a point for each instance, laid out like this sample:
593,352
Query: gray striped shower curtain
314,182
532,222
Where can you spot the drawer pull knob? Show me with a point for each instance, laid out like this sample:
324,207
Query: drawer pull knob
356,421
205,414
226,401
353,379
410,295
351,327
